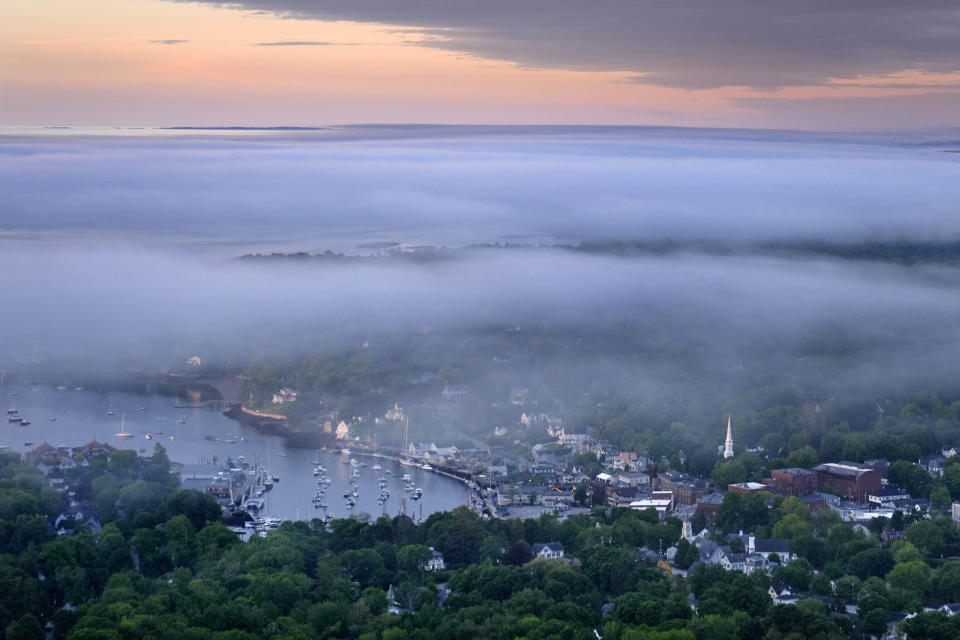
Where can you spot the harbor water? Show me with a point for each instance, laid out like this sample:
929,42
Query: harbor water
201,439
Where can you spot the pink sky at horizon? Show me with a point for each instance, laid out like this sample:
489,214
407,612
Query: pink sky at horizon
73,63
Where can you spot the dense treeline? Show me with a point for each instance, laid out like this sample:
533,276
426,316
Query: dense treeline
164,566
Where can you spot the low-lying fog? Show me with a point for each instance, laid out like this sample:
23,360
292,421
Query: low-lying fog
117,250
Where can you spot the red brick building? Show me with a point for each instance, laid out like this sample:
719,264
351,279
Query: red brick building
685,489
793,481
854,481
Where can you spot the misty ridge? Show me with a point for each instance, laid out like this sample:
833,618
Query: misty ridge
676,272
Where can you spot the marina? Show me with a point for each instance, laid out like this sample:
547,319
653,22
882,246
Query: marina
285,482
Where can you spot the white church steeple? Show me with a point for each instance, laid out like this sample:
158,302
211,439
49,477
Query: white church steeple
728,443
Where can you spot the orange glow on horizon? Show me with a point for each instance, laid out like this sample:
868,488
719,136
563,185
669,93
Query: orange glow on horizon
102,63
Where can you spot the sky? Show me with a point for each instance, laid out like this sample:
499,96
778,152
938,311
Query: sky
815,65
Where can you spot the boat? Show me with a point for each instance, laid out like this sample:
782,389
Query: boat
407,462
123,434
53,418
14,419
111,412
148,437
426,467
24,422
275,477
377,467
267,483
28,443
12,412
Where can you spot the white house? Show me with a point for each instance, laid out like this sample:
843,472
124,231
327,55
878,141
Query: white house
547,550
435,563
343,430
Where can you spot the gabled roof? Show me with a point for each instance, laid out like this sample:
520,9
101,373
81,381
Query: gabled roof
770,545
556,547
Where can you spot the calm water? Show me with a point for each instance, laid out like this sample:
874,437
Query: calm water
82,416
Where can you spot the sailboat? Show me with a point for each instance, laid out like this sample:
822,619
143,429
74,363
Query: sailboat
124,434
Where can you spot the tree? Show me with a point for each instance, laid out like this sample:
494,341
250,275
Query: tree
518,553
580,494
911,477
26,628
804,457
413,559
792,527
926,536
940,498
687,554
908,582
946,581
362,565
727,472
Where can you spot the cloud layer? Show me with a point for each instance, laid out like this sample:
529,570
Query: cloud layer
334,189
696,44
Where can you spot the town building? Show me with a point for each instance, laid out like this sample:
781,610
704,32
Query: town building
662,501
853,481
708,505
748,487
685,489
792,481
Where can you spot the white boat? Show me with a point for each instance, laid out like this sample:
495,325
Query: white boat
123,434
377,467
426,467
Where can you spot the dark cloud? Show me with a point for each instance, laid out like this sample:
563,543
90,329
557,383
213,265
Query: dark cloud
303,43
168,41
696,44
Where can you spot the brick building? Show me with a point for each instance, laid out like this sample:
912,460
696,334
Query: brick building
685,489
854,481
793,481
